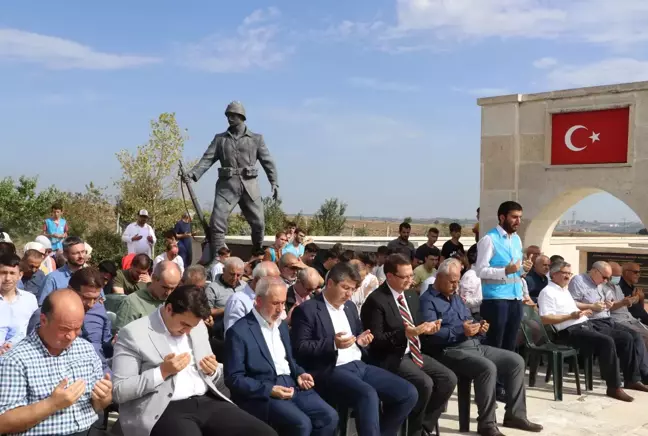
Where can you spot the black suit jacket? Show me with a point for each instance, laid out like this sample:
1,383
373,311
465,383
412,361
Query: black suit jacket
313,335
380,314
290,298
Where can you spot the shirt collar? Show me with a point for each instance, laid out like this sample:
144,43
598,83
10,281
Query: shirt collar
556,286
249,292
501,231
394,293
330,306
159,315
19,294
262,321
35,339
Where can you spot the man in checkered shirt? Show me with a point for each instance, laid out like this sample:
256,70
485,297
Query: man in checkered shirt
52,383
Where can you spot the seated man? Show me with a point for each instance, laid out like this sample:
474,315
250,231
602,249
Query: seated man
136,277
96,328
224,285
393,316
558,308
458,345
537,279
51,383
329,343
20,305
165,375
195,275
32,277
289,265
631,272
143,302
587,290
308,281
262,375
240,304
620,304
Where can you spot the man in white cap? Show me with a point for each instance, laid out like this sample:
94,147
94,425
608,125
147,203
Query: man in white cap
139,236
48,264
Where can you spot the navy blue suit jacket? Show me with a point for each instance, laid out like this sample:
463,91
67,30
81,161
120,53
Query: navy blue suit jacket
313,335
250,373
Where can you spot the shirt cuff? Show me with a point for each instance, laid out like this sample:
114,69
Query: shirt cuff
157,377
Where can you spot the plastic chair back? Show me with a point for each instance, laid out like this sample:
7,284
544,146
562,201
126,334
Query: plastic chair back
532,328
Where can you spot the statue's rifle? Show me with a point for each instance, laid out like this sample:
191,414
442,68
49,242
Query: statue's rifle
184,181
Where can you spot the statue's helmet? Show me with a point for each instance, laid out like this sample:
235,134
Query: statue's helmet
236,107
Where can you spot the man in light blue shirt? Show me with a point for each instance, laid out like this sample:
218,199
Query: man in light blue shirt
241,302
296,246
16,305
75,253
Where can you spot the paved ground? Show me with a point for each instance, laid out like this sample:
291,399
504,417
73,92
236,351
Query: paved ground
589,414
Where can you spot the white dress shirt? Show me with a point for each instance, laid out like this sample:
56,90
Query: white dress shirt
396,295
177,260
188,382
554,300
141,245
341,324
470,289
275,345
426,284
485,252
18,313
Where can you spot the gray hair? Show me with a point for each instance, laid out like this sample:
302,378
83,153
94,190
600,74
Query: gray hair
233,262
447,264
70,241
267,284
193,274
600,265
557,266
163,267
306,274
264,269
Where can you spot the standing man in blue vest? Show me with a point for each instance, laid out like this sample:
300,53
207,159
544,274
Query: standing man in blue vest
500,263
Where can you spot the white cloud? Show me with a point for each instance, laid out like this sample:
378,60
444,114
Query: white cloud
546,62
254,45
605,72
381,85
62,54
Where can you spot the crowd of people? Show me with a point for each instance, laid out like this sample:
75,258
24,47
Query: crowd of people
293,339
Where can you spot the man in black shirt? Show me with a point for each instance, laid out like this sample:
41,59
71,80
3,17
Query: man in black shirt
537,278
631,274
453,247
426,249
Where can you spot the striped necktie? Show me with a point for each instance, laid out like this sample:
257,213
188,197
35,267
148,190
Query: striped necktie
414,343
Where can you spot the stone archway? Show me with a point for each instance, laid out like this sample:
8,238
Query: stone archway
516,156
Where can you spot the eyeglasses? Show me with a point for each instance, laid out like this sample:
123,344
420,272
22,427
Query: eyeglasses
409,277
605,278
566,273
634,271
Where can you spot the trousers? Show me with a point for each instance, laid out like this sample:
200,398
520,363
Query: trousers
305,414
484,365
362,388
204,415
599,337
434,383
504,318
224,204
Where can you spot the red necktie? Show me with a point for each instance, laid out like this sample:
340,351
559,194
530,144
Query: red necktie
414,343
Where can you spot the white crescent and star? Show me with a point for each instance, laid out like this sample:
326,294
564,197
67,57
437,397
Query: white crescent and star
568,138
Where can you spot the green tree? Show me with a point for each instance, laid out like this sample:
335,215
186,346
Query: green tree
237,226
22,210
329,220
106,245
408,220
89,211
362,231
149,176
275,218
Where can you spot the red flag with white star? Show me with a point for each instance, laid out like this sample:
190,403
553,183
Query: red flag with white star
593,137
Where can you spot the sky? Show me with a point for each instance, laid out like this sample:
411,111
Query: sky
369,101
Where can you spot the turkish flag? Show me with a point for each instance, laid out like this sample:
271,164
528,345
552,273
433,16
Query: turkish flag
592,137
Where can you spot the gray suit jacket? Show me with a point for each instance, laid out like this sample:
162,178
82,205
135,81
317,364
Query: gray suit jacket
240,153
139,351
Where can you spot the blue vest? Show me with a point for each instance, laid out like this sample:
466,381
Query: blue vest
504,254
50,225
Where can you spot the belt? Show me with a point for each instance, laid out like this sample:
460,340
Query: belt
506,281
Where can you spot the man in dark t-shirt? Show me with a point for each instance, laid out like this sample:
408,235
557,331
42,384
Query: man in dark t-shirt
182,230
428,248
453,246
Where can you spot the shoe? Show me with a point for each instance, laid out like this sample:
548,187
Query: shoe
637,386
522,424
490,431
619,394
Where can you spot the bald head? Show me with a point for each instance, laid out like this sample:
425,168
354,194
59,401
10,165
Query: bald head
61,319
631,273
542,265
166,278
601,272
308,281
616,268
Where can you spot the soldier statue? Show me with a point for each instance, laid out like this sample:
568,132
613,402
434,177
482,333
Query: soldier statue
238,150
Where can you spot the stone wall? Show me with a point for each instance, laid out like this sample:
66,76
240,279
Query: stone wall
515,160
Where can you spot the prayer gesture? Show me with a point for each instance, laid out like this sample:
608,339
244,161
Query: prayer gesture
209,364
173,364
344,340
102,393
305,381
471,328
282,392
64,396
365,338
